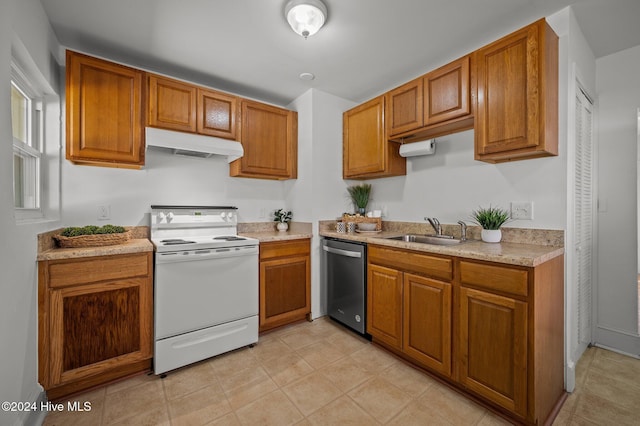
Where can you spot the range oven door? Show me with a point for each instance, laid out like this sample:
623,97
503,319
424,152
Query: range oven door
197,289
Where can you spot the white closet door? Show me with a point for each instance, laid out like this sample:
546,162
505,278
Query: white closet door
584,215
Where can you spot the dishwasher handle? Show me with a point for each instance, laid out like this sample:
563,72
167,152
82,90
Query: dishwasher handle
342,252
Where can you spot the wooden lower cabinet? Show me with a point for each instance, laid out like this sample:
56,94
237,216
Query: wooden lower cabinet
427,322
493,348
384,305
511,336
494,331
285,282
408,312
95,320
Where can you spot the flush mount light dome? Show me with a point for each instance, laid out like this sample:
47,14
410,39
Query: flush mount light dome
306,17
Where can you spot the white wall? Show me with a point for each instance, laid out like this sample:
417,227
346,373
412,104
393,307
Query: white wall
24,22
319,192
165,179
450,184
576,62
617,77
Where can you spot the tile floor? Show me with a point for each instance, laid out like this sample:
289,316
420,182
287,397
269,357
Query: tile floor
320,374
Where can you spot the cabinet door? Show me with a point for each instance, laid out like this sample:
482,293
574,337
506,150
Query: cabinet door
517,84
447,93
104,112
269,136
384,305
404,108
493,348
172,104
427,322
217,114
284,290
98,327
366,153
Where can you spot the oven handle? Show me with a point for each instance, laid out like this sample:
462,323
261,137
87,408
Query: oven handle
205,254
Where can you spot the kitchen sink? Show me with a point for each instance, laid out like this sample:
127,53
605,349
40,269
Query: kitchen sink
427,239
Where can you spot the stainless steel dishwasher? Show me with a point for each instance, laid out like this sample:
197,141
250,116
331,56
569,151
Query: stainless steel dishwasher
345,269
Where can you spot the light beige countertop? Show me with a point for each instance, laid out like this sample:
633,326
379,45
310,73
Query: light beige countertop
508,252
139,242
266,231
137,245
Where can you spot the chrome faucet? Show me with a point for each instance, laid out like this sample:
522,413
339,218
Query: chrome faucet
463,230
435,223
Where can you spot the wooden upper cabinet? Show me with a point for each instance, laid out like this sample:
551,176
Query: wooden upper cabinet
172,104
217,114
517,101
104,117
269,136
404,107
436,104
366,151
175,105
447,92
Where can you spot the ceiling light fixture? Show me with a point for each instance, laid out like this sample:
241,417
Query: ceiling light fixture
306,17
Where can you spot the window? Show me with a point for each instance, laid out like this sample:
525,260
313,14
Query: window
26,123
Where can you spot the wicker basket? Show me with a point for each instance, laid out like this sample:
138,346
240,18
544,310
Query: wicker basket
358,218
94,240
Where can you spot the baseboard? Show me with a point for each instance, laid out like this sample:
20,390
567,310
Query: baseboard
35,418
618,341
570,376
636,356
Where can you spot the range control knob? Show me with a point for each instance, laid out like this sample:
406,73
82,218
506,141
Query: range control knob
169,216
161,217
230,215
223,215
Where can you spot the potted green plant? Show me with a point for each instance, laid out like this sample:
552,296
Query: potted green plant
491,219
360,196
283,217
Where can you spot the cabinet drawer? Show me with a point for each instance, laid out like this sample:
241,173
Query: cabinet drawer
492,277
284,248
411,261
94,269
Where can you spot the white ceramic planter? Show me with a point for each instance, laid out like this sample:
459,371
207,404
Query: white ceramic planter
282,226
491,235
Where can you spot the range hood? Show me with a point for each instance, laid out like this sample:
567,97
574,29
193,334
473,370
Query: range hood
193,145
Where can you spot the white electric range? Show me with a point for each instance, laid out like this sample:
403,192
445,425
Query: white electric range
205,284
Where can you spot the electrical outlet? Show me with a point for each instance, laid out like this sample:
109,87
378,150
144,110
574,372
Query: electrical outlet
104,212
263,213
522,210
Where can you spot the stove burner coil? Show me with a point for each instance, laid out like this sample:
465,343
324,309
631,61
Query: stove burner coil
176,241
229,238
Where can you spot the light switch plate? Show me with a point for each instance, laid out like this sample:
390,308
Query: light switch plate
522,210
104,212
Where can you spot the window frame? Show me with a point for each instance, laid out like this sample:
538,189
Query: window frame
31,150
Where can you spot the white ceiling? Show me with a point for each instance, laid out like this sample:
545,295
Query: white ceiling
366,47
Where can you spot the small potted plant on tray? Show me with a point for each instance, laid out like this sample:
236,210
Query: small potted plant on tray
360,196
491,219
283,217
